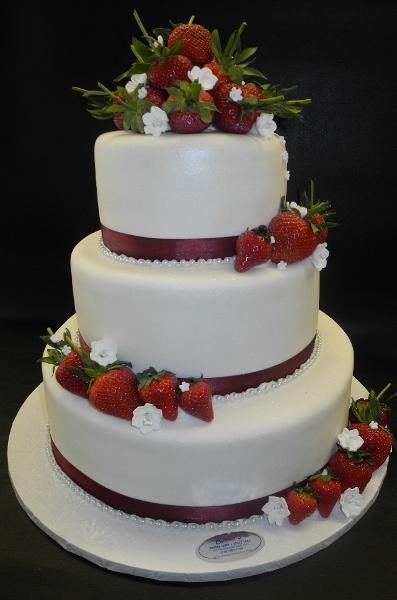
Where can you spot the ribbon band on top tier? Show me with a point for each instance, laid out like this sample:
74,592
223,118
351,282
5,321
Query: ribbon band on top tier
240,383
154,510
168,249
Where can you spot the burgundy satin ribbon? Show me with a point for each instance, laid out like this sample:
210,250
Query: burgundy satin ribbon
153,510
168,249
240,383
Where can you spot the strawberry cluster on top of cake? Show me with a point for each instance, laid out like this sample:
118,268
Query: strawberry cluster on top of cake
184,80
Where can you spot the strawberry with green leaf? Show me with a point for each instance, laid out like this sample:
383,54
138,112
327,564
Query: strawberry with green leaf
190,109
195,42
374,408
327,489
298,229
353,469
160,389
253,248
378,441
196,399
301,503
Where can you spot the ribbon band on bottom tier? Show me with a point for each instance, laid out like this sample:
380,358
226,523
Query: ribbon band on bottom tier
154,510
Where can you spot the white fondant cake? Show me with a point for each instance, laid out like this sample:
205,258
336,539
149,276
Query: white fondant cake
202,319
188,186
255,445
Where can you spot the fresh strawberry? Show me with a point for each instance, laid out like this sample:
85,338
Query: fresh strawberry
115,392
301,504
377,442
253,248
156,96
190,109
327,490
374,408
196,42
233,117
217,70
68,379
160,389
197,401
167,71
294,238
353,469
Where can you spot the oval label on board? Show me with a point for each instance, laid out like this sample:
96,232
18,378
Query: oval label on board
230,546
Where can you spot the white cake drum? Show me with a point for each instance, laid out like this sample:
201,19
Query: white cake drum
210,185
197,320
256,445
129,544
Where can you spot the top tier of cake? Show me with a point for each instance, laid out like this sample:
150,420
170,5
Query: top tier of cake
188,186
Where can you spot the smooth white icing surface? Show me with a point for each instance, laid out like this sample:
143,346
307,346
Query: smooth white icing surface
188,186
254,447
207,319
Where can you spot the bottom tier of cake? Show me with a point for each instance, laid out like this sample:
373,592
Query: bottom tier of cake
258,443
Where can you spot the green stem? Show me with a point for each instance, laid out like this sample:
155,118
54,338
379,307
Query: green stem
73,346
191,20
49,331
141,25
383,392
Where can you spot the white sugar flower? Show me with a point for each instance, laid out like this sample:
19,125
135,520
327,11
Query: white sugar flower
285,157
104,352
236,94
54,339
276,509
302,210
350,439
374,425
272,239
142,93
281,139
66,350
156,121
204,76
137,79
265,125
319,256
185,386
351,502
287,175
282,265
160,41
147,418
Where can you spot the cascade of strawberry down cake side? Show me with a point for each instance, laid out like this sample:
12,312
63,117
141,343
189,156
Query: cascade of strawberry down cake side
185,80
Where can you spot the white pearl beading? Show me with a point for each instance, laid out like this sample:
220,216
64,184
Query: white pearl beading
122,258
270,386
145,521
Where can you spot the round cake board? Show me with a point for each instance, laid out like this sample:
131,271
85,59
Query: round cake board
166,552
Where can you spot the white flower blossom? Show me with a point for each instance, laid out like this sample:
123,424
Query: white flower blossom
147,418
138,79
236,94
319,256
204,76
302,210
350,439
272,239
66,350
142,93
185,386
285,157
282,265
265,125
287,175
276,509
156,121
54,339
104,352
351,502
160,41
374,425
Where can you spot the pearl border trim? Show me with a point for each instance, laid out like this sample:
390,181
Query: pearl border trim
270,386
122,258
146,521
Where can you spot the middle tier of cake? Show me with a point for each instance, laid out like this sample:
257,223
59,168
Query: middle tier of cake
196,319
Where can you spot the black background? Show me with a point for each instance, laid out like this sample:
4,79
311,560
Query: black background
340,54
